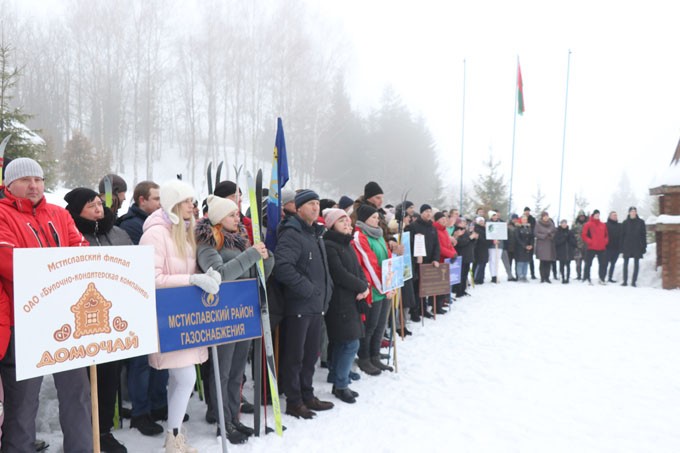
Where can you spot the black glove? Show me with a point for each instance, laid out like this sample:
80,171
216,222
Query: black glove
363,307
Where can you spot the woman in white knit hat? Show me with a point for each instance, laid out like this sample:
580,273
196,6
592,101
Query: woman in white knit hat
170,231
223,245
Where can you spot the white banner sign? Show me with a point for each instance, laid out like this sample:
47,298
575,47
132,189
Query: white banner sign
79,306
497,230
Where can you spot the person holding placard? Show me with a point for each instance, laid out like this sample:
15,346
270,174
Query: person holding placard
465,247
223,245
423,232
371,249
524,248
28,221
495,250
170,231
447,251
96,222
481,251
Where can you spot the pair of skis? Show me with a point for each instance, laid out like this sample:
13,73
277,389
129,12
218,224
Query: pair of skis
255,199
3,145
218,175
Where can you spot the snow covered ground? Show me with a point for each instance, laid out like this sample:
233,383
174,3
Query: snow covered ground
515,368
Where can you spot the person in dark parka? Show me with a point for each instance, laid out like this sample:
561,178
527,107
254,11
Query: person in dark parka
96,222
481,255
423,225
565,246
348,302
633,243
302,269
614,245
524,248
465,246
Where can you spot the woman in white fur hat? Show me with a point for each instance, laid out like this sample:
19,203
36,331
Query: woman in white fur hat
170,231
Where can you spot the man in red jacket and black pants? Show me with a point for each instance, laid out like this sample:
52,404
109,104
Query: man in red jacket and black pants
595,236
28,221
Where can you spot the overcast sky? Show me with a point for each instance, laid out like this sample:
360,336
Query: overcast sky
624,87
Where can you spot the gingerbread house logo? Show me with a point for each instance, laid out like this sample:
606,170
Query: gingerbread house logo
91,313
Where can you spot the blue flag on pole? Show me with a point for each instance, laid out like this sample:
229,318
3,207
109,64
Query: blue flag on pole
278,180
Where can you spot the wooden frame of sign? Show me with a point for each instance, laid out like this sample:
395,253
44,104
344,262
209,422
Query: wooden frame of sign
434,281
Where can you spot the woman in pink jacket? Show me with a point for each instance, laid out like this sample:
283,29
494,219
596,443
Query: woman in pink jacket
170,230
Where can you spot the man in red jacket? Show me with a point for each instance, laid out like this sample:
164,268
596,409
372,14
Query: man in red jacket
446,251
595,236
28,221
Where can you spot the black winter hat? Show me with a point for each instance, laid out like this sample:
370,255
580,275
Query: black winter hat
424,207
326,203
345,202
78,198
224,189
632,208
438,216
365,211
597,211
371,190
304,196
118,184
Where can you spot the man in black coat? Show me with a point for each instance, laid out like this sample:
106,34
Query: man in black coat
532,222
614,245
633,243
465,247
423,225
302,269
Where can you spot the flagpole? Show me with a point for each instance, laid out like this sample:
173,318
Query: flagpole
462,142
564,135
514,123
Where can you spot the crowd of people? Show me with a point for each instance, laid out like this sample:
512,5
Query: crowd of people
324,284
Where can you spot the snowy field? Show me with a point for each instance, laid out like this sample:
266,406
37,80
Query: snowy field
517,367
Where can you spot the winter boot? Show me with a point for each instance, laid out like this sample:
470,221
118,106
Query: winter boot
109,444
367,367
381,366
344,395
247,430
316,404
175,442
145,424
352,392
625,283
493,280
234,436
300,411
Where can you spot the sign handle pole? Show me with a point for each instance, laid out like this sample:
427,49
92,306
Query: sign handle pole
422,313
394,332
220,398
94,398
401,314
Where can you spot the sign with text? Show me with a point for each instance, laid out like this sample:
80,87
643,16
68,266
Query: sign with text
408,266
434,281
80,306
188,317
392,273
497,231
454,270
419,245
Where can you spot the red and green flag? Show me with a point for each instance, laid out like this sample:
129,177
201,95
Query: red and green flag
520,91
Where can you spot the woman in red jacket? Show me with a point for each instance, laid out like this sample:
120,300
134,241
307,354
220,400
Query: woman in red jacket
446,251
595,235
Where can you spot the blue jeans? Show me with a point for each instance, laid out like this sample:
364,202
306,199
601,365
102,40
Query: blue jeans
341,362
522,268
147,386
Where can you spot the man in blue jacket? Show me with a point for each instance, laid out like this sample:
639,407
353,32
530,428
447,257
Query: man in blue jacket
302,269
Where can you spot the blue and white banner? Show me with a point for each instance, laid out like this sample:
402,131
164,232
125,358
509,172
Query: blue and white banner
454,270
188,317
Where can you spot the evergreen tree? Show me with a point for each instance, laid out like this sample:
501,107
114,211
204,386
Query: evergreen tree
538,202
490,190
82,165
24,142
623,197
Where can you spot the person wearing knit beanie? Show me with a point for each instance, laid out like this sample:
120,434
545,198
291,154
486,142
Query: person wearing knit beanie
332,215
371,190
78,198
364,212
425,207
225,189
26,178
174,192
22,167
305,196
219,208
345,202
